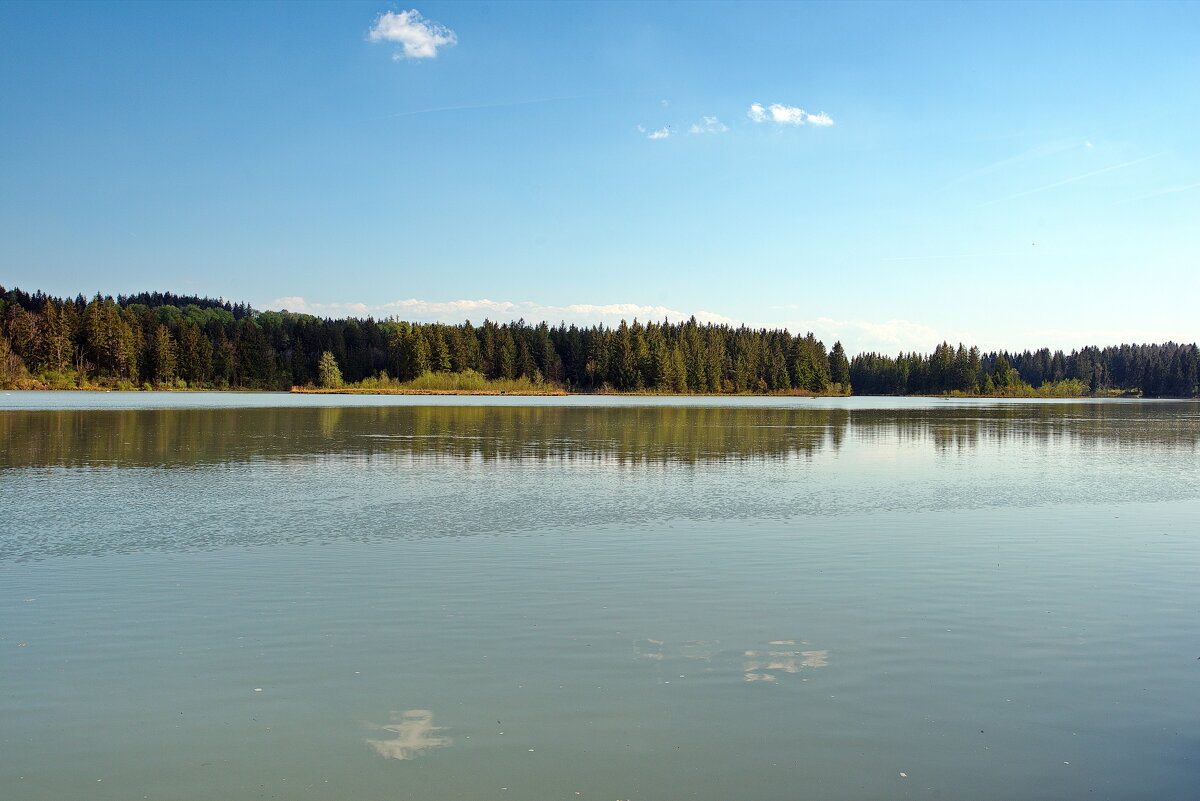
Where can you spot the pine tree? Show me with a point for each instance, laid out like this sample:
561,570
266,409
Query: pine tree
124,342
418,353
194,354
254,362
55,339
839,368
1001,373
162,352
222,357
439,352
506,354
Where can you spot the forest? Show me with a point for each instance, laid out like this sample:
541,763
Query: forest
157,340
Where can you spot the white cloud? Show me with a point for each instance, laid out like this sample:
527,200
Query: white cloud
661,133
709,125
459,310
420,37
888,337
293,303
786,115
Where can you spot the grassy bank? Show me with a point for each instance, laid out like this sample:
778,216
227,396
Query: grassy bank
474,383
1069,388
72,381
468,382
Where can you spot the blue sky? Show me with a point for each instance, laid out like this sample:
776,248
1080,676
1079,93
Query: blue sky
1012,175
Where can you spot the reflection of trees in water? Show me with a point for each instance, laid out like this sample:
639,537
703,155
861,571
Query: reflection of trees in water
955,427
170,437
626,435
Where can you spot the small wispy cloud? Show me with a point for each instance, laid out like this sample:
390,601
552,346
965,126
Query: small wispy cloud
1039,151
989,254
708,125
787,115
1171,190
419,37
1070,180
459,310
661,133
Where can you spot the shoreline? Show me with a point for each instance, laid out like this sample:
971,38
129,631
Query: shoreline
490,392
558,392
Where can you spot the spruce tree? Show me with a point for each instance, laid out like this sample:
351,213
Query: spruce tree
839,368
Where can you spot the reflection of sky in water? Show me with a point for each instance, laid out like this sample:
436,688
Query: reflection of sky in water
414,732
691,649
381,473
767,665
757,664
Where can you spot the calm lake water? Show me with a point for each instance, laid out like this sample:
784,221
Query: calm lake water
218,597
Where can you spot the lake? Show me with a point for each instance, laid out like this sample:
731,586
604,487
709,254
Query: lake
218,597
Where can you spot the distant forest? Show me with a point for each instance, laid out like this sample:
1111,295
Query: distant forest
162,340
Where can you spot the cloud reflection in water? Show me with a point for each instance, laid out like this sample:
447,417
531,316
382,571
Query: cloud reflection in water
414,731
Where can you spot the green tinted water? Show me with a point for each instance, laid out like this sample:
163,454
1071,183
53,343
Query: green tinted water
242,597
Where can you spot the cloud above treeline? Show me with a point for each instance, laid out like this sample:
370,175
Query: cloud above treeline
787,115
774,114
455,311
419,37
859,335
886,336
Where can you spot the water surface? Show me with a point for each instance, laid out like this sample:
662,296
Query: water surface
208,596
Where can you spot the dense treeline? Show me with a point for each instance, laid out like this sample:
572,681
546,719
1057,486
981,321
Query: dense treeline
1167,370
166,340
163,340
